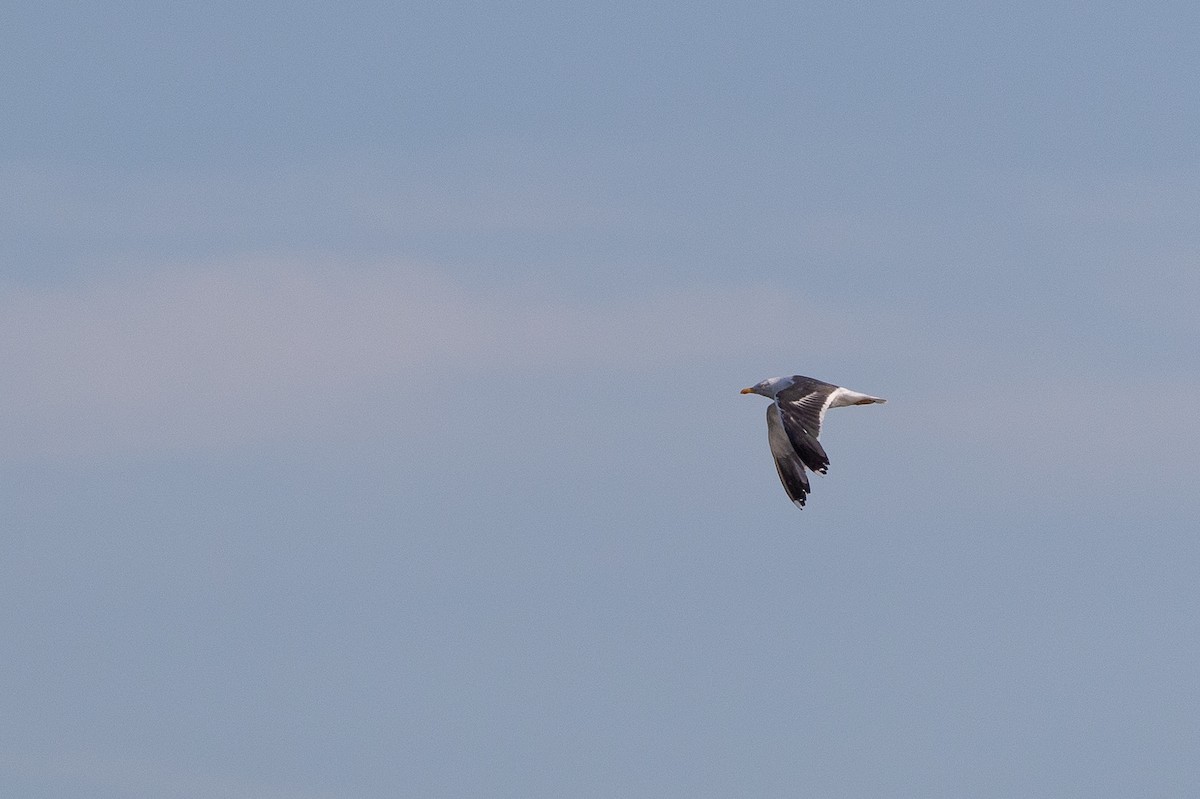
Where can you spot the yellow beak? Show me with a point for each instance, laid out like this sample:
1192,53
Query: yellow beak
747,391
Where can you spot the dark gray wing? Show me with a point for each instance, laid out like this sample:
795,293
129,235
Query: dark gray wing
802,409
787,462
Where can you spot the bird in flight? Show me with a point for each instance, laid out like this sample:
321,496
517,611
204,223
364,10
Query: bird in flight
794,418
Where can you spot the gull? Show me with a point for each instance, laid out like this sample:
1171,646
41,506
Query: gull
794,418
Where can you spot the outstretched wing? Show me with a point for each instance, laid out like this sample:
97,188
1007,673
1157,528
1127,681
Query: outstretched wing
803,405
801,411
787,462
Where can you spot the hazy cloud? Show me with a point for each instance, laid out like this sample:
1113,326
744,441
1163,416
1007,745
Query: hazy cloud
211,355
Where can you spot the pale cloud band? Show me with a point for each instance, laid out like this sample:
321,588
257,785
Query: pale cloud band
210,355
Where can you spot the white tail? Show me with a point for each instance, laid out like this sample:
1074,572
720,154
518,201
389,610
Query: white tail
844,396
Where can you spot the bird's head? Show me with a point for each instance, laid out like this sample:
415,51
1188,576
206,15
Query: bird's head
769,387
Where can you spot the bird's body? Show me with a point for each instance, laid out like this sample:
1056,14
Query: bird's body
794,420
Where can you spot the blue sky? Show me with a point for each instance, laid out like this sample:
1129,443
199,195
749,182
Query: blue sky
371,423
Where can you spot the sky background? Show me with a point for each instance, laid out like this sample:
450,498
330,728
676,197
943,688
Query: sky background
370,417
